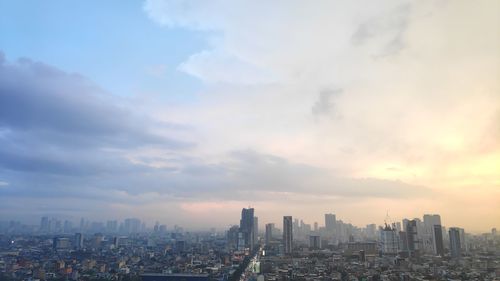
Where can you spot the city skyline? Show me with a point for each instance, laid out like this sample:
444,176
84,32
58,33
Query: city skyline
65,225
185,111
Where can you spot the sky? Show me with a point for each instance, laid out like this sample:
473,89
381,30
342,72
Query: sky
184,112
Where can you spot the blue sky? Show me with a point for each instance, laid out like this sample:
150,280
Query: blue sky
185,111
112,42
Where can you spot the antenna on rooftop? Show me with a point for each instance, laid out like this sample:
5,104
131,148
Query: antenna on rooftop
387,219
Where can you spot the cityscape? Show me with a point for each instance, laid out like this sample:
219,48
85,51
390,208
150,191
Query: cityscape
249,140
411,249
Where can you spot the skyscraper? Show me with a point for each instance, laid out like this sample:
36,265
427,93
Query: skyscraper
389,239
314,242
455,244
232,237
269,232
438,240
330,221
44,225
247,227
255,230
412,238
78,241
433,238
287,234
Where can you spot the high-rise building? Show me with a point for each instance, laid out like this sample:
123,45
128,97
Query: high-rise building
78,241
247,227
68,226
116,241
412,237
389,240
111,226
61,243
438,240
287,234
232,237
455,244
432,238
96,242
44,225
371,231
132,225
315,242
463,242
403,242
255,230
269,233
330,221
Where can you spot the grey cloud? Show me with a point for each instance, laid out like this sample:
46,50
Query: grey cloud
62,137
388,29
324,105
55,122
249,174
38,98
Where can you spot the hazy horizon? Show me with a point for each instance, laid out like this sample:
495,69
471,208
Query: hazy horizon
187,111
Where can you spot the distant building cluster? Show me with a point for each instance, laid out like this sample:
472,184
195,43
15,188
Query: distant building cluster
413,249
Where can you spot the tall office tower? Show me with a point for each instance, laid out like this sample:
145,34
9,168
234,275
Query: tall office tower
494,232
255,230
82,225
315,242
403,241
96,242
246,227
398,226
78,241
371,231
431,242
438,240
232,237
287,234
330,222
111,226
241,241
455,244
405,222
132,225
163,228
57,226
44,224
269,233
316,229
68,226
463,242
116,241
389,240
412,238
295,227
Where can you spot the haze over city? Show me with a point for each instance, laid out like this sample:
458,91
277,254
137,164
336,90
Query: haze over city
185,112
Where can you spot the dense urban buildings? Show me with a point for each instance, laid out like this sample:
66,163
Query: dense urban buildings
414,249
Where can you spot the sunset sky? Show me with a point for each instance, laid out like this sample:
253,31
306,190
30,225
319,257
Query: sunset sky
187,111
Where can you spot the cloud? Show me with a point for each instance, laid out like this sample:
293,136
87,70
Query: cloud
419,87
324,105
55,122
388,28
220,68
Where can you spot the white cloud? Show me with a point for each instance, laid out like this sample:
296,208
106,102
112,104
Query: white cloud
419,80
